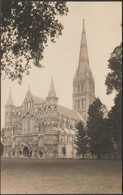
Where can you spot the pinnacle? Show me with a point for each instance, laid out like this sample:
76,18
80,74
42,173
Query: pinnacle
10,101
52,92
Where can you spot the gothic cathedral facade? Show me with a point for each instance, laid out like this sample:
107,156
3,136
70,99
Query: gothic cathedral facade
43,128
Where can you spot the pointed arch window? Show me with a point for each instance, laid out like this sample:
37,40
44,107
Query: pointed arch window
78,104
82,103
82,87
30,103
75,104
27,105
78,88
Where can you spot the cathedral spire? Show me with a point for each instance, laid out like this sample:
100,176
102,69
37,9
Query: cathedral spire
83,82
9,101
83,57
52,92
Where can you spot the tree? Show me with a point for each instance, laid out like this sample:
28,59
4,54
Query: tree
81,141
1,148
114,82
115,118
26,28
98,130
1,142
114,78
2,134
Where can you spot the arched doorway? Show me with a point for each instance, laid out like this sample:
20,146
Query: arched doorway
40,153
30,153
26,151
20,153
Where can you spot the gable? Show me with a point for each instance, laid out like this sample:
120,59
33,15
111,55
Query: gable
30,100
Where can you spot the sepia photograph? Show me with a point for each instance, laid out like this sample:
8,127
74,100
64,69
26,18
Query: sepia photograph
61,97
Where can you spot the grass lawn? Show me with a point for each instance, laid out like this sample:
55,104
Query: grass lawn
60,176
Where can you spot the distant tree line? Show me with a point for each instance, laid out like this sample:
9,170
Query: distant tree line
102,133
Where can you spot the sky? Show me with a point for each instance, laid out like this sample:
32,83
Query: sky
103,33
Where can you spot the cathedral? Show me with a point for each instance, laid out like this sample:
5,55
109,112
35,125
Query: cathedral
41,127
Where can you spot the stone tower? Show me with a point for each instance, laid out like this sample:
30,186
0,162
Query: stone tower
83,81
8,110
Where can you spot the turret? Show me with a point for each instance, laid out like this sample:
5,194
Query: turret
8,110
52,100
